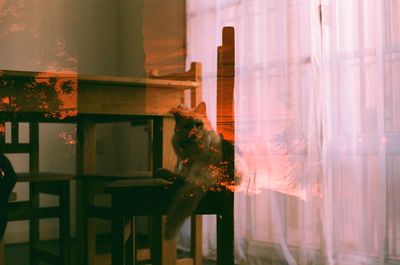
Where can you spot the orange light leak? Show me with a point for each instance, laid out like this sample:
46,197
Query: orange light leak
253,183
68,137
6,101
2,129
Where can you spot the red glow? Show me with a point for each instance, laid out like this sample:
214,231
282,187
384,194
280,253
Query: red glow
2,129
68,137
6,100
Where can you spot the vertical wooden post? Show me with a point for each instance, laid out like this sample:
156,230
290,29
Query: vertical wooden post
157,251
2,253
163,251
64,223
196,93
194,74
2,135
2,143
196,239
15,132
118,243
226,126
86,164
196,226
225,85
34,235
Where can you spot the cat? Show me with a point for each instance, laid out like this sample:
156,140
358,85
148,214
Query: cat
205,162
7,183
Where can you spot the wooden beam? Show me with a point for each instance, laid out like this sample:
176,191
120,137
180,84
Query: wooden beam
225,85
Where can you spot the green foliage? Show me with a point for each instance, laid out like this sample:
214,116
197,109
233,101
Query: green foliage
28,94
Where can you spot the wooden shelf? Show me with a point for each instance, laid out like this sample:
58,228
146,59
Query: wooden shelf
109,94
43,177
134,82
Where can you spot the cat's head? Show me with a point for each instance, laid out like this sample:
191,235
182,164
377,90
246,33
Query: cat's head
191,129
191,118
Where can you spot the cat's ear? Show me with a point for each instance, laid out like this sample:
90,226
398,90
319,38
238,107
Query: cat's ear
179,109
201,108
176,113
173,111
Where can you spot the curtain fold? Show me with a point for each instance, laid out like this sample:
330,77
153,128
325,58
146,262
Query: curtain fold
317,95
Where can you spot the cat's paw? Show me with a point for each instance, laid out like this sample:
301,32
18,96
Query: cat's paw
169,175
164,174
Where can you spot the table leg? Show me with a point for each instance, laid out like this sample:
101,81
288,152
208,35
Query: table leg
156,239
64,225
225,232
118,241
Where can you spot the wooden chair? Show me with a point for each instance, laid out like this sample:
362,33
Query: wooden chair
152,197
39,183
91,183
196,222
194,74
13,198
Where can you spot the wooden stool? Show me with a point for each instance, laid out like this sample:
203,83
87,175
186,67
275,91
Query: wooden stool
45,183
95,184
152,197
39,183
30,211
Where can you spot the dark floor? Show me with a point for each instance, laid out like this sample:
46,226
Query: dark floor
18,254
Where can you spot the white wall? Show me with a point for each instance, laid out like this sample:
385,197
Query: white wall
164,35
95,37
92,36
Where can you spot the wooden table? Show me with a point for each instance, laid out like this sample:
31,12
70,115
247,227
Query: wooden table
96,99
108,99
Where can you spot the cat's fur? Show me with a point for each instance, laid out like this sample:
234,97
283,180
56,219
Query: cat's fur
7,183
205,161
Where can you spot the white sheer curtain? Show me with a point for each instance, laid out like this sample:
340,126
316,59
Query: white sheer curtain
317,118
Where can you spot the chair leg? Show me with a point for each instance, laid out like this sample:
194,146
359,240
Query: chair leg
162,251
130,241
85,226
2,253
81,224
196,239
64,224
168,247
33,225
118,240
225,232
90,240
156,239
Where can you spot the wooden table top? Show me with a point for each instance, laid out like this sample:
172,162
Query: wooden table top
69,94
